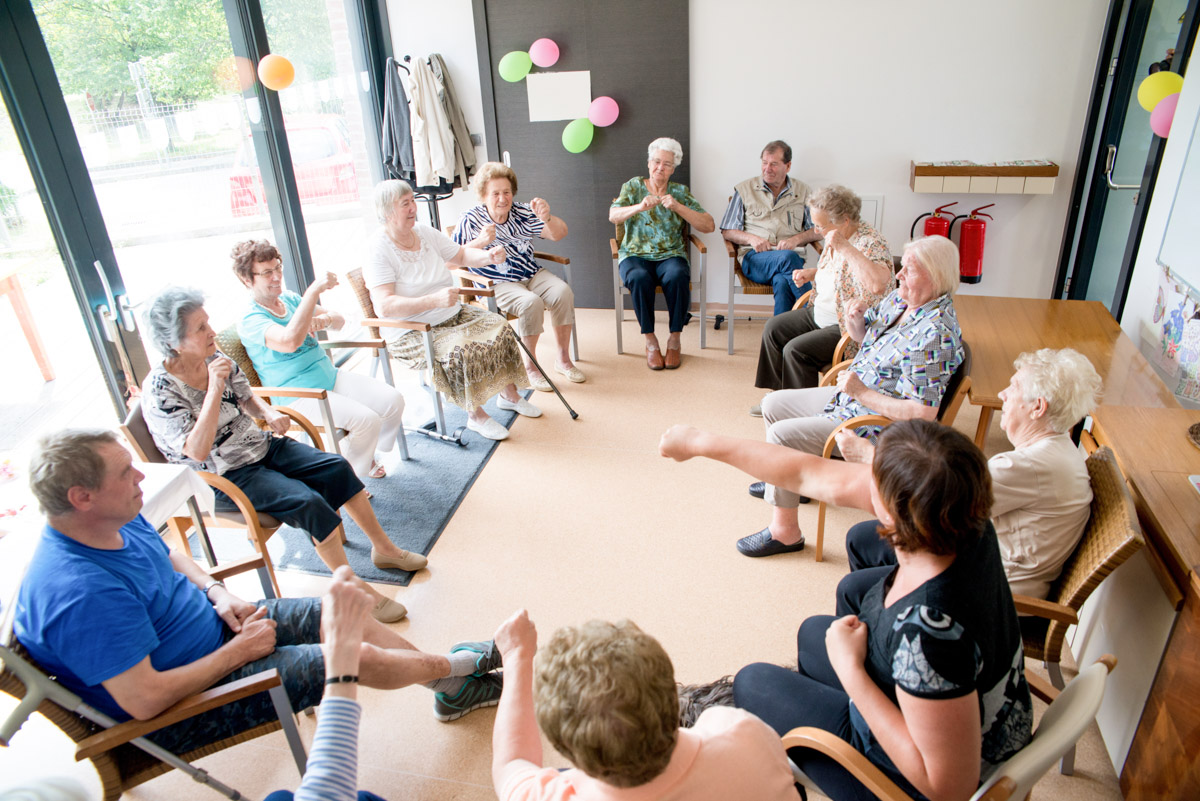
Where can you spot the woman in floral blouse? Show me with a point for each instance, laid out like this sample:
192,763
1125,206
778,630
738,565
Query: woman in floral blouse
855,265
653,250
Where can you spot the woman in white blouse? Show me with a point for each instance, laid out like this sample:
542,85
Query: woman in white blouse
475,352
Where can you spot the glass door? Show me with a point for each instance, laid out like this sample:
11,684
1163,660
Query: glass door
1122,157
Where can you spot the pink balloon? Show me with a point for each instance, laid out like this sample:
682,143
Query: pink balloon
1163,114
544,53
603,111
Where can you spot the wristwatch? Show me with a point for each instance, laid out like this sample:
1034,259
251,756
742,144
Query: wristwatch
211,584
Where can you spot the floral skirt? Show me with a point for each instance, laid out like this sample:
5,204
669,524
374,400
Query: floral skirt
475,355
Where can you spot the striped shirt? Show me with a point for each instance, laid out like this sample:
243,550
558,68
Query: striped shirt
332,773
515,234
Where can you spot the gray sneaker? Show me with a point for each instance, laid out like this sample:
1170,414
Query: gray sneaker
476,693
756,410
488,655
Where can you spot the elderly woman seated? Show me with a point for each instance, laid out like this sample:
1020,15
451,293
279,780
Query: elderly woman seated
277,332
200,410
475,352
1041,493
605,697
925,675
522,287
911,346
855,266
654,251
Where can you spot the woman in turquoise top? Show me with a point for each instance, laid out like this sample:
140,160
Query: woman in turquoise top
277,332
653,250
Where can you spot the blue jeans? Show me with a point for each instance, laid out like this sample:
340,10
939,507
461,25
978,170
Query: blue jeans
774,268
642,276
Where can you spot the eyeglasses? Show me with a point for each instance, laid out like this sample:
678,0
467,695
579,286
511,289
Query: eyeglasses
277,270
659,163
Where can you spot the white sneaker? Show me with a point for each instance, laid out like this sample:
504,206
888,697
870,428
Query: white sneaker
521,407
488,428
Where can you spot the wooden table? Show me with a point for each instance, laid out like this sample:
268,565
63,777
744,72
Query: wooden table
1000,329
11,285
1157,459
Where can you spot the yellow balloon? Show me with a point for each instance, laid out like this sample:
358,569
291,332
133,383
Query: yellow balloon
1157,86
276,72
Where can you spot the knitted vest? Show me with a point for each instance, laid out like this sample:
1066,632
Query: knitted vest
772,223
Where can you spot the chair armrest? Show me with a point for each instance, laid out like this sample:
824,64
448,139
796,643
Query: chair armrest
387,322
477,293
1027,605
1040,688
803,301
290,392
468,278
563,260
853,422
830,377
848,757
330,344
700,246
839,351
247,510
730,248
191,706
612,245
234,567
306,426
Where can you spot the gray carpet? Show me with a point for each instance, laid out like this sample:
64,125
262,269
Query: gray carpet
413,504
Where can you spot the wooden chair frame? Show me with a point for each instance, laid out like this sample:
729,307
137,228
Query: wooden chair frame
698,283
739,284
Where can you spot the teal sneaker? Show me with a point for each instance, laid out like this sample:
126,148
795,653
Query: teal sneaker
488,658
476,693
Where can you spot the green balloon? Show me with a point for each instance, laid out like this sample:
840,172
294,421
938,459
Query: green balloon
515,66
578,135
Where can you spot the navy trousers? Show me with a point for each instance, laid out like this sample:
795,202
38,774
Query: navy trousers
643,277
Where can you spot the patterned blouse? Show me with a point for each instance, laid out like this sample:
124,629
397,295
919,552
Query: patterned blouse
515,234
657,234
870,243
910,361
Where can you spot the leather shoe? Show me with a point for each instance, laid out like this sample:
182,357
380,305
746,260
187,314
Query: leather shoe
760,543
654,359
410,561
758,489
672,360
388,611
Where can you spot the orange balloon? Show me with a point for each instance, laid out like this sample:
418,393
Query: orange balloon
276,72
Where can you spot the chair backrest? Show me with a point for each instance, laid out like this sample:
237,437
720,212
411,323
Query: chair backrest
955,384
138,435
231,345
1063,723
1111,536
355,279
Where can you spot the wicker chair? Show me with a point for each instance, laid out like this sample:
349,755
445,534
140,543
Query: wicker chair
122,756
952,400
1112,536
698,283
739,284
846,348
230,343
1063,723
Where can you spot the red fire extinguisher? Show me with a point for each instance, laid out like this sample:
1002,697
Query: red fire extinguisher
970,244
936,225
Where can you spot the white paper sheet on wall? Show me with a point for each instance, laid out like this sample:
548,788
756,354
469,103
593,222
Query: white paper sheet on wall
559,95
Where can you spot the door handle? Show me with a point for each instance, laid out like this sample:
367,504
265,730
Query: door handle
118,308
1110,162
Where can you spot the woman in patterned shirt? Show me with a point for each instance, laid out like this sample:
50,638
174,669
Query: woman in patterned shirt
522,287
925,676
653,250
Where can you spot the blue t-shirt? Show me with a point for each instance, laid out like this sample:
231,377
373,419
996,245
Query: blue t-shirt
307,366
87,614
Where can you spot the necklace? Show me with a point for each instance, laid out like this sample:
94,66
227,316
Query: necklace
413,243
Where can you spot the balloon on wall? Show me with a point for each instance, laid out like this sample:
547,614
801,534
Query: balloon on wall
1163,114
577,135
1157,86
276,72
544,53
603,111
515,66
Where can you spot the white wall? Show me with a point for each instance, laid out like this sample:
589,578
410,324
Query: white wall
861,89
850,89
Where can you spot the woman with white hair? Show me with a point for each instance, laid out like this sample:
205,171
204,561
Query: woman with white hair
911,346
475,352
1041,493
653,251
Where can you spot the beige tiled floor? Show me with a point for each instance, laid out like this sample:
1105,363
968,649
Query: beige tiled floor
581,519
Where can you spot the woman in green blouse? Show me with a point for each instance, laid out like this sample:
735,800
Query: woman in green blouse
653,251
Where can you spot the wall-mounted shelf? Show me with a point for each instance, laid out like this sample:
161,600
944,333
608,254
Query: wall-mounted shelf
999,178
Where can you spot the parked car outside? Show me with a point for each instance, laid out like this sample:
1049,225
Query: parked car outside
321,159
